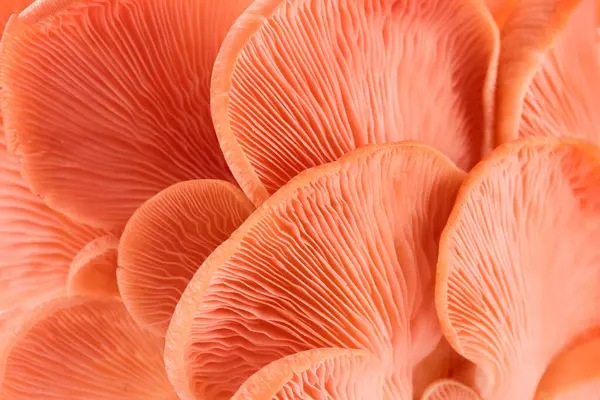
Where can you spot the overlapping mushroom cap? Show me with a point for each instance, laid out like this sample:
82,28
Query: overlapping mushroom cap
37,244
548,74
519,266
166,241
327,290
448,389
342,256
322,373
81,348
301,83
107,102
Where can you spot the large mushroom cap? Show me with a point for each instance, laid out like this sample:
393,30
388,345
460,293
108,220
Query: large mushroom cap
300,83
107,102
81,348
168,238
519,263
321,373
548,75
342,256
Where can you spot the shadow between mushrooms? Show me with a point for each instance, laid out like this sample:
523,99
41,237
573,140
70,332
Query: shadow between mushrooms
299,83
342,256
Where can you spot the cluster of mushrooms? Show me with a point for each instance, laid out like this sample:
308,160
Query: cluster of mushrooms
299,199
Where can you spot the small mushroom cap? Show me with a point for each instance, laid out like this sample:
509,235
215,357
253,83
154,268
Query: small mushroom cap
168,238
548,75
321,373
342,256
448,389
107,102
299,83
82,348
94,269
519,266
37,244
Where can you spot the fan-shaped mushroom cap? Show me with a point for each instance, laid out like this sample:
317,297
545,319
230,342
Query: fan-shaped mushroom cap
94,270
342,256
83,348
168,238
37,244
321,373
548,76
519,266
448,389
107,102
575,373
300,83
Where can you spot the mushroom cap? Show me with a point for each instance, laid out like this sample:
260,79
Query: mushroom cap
82,348
448,389
37,244
299,83
168,238
342,256
93,271
548,76
320,373
107,102
519,266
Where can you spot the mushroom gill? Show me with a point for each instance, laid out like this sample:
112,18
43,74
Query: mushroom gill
299,83
332,373
548,75
168,238
93,271
81,348
342,256
519,266
107,102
